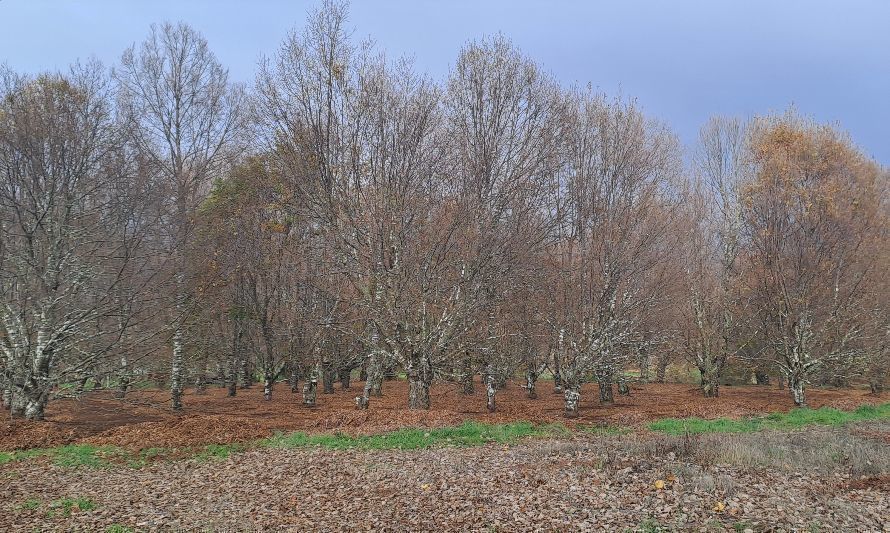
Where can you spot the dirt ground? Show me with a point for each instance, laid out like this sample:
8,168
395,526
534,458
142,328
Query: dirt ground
145,420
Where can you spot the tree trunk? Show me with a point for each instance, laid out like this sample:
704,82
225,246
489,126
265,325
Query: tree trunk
201,384
35,393
232,377
246,374
761,377
798,394
467,387
710,383
17,403
345,378
363,371
531,378
491,392
661,370
876,386
123,380
419,380
418,394
176,369
557,371
370,367
328,377
294,380
35,407
81,385
309,391
643,361
606,394
268,382
623,389
710,389
361,402
572,397
374,383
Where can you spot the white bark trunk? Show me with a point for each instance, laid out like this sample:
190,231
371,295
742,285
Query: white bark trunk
176,369
572,397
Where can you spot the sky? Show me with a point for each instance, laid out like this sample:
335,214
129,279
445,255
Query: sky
683,60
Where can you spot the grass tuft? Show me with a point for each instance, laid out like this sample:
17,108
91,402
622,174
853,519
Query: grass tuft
794,419
66,506
218,451
75,455
30,504
18,455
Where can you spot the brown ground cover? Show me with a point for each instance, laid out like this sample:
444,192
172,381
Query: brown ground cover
581,482
144,419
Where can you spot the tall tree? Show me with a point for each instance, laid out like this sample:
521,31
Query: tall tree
189,123
808,214
71,265
615,232
717,322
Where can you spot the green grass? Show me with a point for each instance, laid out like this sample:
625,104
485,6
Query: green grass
65,506
117,528
30,504
218,451
18,455
470,433
467,434
794,419
75,455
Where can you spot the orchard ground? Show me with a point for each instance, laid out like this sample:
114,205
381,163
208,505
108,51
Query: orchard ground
144,419
101,464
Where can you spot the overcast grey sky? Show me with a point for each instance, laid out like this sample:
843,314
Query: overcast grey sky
684,60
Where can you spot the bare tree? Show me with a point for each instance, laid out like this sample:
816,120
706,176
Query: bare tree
504,127
717,321
615,229
189,119
68,242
